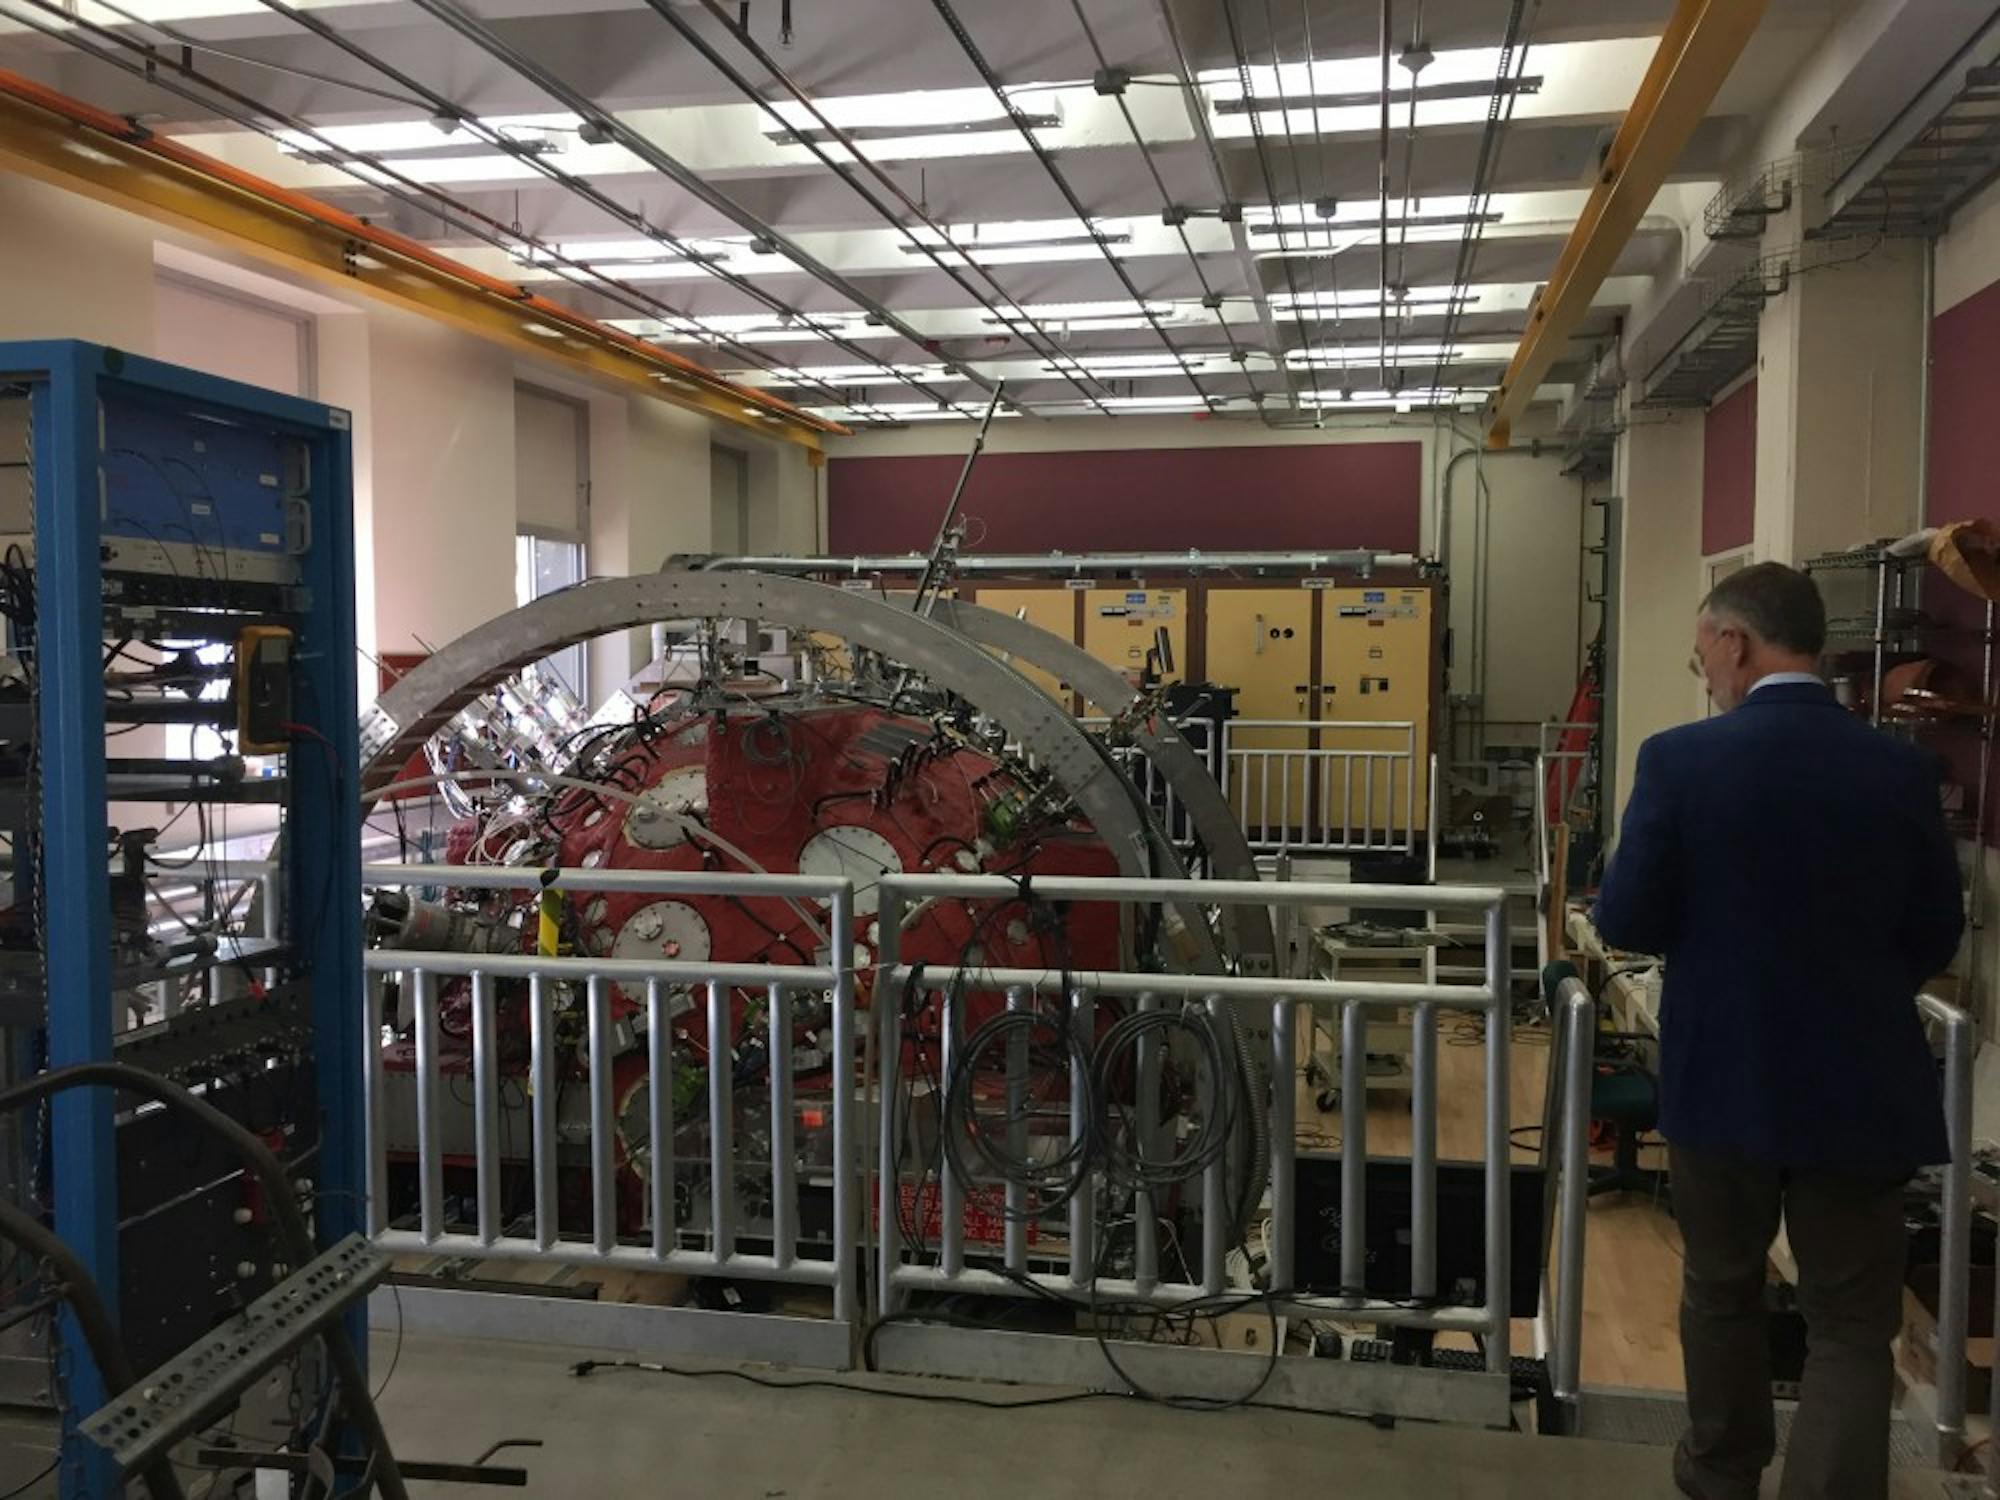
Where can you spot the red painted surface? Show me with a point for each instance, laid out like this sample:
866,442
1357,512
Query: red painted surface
1729,472
1319,495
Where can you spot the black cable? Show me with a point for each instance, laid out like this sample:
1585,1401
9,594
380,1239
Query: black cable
33,1480
1052,1181
590,1366
1124,1160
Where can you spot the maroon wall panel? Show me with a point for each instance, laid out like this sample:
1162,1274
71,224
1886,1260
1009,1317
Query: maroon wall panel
1965,400
1319,495
1729,472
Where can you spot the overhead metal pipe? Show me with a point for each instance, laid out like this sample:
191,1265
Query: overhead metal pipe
1067,365
476,31
1055,175
1270,192
1197,113
1512,59
422,197
1360,560
1167,204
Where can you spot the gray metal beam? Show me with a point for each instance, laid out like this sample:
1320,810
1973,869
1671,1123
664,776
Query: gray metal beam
1914,118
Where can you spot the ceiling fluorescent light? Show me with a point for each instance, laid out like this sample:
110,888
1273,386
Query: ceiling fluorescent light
1481,88
819,135
1346,226
977,247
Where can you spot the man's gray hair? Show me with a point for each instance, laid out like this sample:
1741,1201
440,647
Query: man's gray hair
1777,604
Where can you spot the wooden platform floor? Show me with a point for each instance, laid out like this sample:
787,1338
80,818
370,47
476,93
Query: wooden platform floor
1632,1249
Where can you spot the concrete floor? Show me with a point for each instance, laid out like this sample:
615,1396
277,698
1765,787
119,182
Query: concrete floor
619,1433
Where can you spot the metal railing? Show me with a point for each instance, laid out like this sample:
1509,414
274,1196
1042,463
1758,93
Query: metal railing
907,1262
1312,797
717,1248
1576,1035
1205,736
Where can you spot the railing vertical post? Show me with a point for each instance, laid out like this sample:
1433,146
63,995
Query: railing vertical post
1284,1138
1016,1227
542,1085
1145,1217
1353,1148
784,1165
603,1131
847,1161
374,991
1423,1151
1955,1252
1578,1026
1082,1018
1499,1155
485,1109
721,1122
885,1016
430,1148
1215,1194
660,1117
951,1194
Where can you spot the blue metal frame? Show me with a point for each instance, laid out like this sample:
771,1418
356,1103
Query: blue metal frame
65,380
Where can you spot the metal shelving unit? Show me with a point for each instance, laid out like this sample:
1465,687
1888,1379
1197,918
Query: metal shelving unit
1883,616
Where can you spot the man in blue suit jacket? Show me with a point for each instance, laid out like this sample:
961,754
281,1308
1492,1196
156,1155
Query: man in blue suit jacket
1792,866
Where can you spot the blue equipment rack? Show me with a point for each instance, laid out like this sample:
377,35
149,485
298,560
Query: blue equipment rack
102,422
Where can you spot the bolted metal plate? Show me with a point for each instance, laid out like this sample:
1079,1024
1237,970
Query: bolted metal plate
196,1385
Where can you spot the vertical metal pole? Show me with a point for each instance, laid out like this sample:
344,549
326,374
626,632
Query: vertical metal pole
375,1172
485,1109
603,1130
1431,830
1368,803
1881,637
1215,1190
1083,1206
430,1148
1145,1216
951,1194
1955,1274
784,1164
887,1033
660,1117
1284,1138
1499,1158
1285,762
1346,800
721,1123
1264,798
76,901
1015,1232
1579,1030
1423,1147
542,1084
1409,792
846,1159
1353,1148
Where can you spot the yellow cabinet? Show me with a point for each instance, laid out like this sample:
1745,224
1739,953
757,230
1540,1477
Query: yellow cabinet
1053,609
1259,641
1376,667
1120,625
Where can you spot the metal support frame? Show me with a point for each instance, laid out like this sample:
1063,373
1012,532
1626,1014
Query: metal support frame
424,700
958,1352
65,381
660,980
1701,43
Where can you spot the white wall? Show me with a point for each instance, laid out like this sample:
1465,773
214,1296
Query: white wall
71,268
1659,583
1968,254
433,413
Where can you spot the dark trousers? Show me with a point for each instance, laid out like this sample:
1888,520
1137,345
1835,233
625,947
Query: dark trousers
1846,1233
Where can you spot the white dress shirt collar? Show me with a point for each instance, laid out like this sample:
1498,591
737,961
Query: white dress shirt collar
1783,679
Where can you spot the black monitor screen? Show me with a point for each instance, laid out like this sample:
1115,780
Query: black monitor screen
1461,1230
